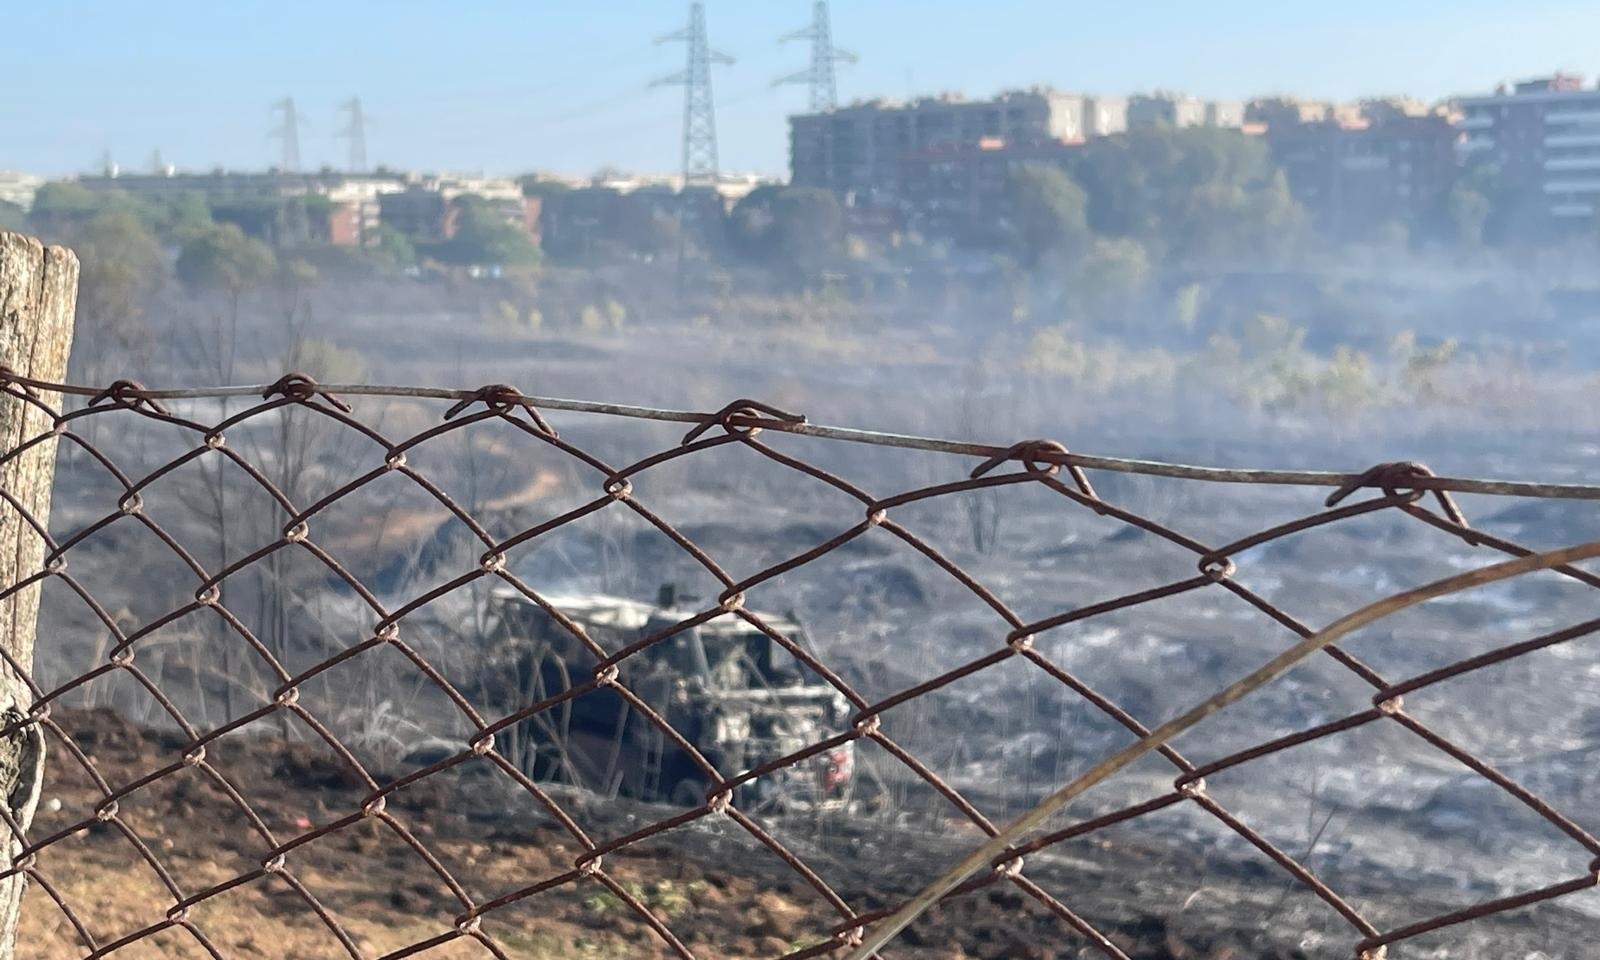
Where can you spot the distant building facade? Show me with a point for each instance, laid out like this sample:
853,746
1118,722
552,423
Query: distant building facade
429,208
1543,136
616,214
346,209
858,149
959,190
1354,171
255,202
863,150
1179,110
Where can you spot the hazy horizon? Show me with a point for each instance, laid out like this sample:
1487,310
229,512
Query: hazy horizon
567,89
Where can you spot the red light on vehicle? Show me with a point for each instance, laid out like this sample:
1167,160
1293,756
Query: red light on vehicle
841,766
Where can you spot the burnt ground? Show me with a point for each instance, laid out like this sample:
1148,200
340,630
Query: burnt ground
1405,827
720,892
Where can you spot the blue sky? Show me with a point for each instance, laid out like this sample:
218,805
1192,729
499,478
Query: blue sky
502,87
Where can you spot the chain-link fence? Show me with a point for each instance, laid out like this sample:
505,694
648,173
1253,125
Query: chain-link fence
269,682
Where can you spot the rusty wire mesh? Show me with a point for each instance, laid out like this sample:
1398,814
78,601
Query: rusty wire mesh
1404,489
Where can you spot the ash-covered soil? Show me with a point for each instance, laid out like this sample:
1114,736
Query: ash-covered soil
724,895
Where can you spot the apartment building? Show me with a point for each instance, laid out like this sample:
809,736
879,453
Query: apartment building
858,149
1164,109
959,190
1356,169
426,207
1543,136
252,199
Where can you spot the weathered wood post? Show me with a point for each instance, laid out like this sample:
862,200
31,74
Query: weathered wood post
38,292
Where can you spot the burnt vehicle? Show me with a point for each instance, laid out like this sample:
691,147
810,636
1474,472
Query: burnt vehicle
732,692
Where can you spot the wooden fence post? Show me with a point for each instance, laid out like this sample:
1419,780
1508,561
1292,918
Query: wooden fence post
38,293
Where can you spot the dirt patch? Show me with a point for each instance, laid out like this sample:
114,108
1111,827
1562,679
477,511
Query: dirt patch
181,835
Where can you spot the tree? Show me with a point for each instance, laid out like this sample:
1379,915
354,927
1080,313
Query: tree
12,217
1191,193
750,222
223,258
122,262
483,236
60,209
1110,279
394,247
1048,211
809,226
800,230
1484,207
59,205
534,185
256,216
186,215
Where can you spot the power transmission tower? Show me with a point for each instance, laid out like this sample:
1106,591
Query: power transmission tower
355,130
699,115
825,58
289,132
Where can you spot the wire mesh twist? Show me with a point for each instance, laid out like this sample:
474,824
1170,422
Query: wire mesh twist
1400,488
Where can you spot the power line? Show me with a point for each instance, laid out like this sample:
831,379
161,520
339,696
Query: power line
699,113
355,130
822,75
289,132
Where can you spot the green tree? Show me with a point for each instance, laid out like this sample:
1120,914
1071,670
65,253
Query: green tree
1192,193
60,205
185,216
483,236
750,222
799,230
122,262
1110,280
394,247
264,217
61,208
223,258
1503,214
534,185
809,223
1048,211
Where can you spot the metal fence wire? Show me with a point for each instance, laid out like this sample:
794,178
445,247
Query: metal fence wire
481,918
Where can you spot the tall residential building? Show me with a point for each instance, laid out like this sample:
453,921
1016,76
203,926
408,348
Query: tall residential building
858,149
959,190
1543,136
1357,168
